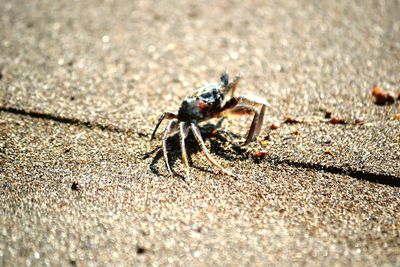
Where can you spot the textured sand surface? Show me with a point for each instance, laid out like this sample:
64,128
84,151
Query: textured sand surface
82,84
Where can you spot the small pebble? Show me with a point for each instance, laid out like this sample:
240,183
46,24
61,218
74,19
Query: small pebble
397,116
260,154
328,115
336,120
391,98
275,126
382,97
141,250
75,186
264,142
330,153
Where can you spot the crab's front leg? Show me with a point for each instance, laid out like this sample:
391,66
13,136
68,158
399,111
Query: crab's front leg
183,133
247,105
241,110
199,139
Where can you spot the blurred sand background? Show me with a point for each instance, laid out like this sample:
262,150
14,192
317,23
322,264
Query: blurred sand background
82,84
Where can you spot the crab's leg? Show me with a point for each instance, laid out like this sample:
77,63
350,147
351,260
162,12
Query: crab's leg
183,132
165,115
256,101
260,120
246,105
245,110
199,139
168,130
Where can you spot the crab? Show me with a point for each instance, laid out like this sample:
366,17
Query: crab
211,100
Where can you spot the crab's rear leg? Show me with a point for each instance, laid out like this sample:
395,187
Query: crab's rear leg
199,139
171,125
165,115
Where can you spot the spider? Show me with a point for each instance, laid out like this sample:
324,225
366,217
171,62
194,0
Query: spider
211,100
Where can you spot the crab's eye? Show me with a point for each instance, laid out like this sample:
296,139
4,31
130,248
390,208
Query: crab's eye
206,96
225,78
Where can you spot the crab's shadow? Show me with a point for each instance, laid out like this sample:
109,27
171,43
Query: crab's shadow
219,143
